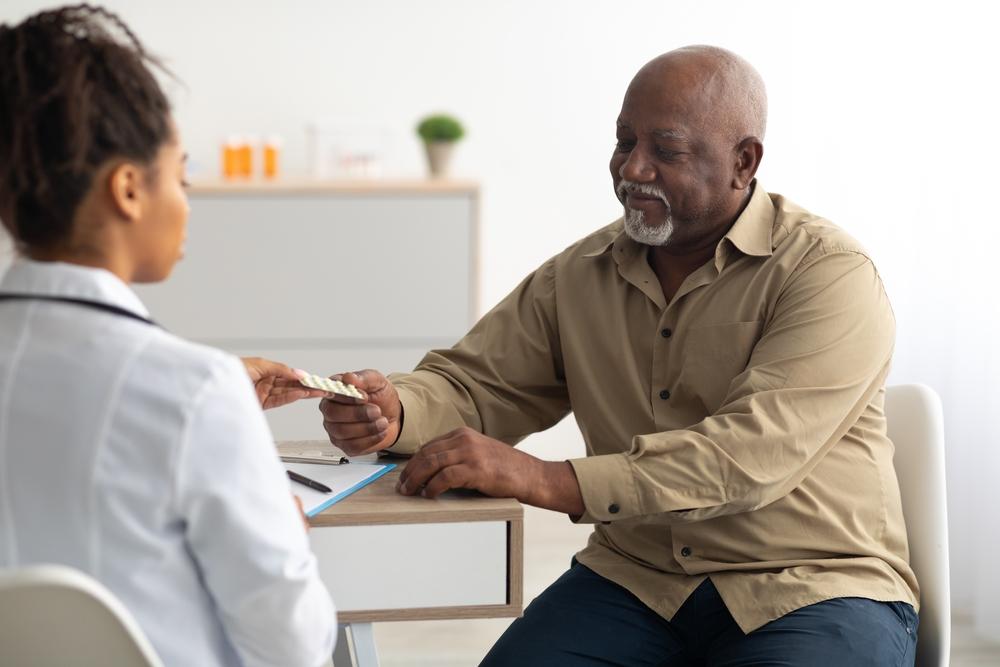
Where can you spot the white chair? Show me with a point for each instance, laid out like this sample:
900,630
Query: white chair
52,615
916,426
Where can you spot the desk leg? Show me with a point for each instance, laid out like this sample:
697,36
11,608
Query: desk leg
342,652
363,643
355,646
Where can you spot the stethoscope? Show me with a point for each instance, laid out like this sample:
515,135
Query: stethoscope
84,303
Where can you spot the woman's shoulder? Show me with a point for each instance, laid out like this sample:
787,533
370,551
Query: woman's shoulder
184,366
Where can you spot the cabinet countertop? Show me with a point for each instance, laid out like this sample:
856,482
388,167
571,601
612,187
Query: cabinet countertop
312,186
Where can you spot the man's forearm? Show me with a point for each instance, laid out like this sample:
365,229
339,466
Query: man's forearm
556,488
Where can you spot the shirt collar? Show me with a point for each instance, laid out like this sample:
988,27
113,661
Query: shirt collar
625,251
27,276
751,233
603,248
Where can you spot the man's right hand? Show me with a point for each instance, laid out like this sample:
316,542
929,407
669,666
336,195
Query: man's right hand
362,427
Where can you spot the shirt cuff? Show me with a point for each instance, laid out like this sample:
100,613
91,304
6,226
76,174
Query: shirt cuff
608,488
410,435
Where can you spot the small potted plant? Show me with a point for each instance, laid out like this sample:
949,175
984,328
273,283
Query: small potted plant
439,132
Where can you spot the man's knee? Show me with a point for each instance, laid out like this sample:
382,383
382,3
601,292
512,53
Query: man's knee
842,631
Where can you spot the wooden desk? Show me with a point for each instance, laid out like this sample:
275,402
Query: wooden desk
459,556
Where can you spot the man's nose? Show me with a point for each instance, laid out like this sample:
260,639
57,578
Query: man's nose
637,167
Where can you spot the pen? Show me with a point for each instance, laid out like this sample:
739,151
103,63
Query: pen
315,460
311,483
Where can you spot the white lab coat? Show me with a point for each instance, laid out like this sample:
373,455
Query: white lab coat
144,460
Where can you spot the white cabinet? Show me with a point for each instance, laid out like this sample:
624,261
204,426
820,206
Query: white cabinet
326,277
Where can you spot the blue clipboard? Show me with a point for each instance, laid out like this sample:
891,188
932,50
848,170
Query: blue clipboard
343,480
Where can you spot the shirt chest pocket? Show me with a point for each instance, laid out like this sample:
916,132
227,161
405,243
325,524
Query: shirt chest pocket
711,357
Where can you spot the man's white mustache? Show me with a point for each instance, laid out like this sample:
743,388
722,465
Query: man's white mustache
625,186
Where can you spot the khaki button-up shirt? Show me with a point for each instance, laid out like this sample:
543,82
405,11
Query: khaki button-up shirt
736,432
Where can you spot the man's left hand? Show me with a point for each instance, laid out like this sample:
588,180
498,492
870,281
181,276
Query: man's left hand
276,384
467,459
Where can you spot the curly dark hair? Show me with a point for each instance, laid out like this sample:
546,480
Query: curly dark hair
75,91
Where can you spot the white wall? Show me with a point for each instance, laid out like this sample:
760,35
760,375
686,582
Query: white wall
882,118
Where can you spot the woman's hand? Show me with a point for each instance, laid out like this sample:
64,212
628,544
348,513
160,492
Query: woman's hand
302,512
276,384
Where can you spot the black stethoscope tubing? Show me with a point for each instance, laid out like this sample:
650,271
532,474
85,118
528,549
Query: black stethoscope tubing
85,303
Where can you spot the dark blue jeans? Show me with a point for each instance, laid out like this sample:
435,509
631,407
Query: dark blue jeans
585,619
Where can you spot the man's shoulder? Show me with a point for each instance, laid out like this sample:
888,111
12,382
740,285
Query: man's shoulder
798,232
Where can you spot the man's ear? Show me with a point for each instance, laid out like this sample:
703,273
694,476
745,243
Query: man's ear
125,184
749,153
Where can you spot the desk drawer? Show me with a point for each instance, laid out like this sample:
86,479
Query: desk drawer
414,566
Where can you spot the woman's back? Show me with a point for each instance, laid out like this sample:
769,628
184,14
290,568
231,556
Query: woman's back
145,461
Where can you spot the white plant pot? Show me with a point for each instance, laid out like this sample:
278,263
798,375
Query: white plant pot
439,157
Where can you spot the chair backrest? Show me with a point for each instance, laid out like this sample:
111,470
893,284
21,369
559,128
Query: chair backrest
54,615
916,427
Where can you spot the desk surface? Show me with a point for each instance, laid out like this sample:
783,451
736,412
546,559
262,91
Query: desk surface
378,504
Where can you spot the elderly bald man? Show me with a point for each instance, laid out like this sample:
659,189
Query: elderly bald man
724,352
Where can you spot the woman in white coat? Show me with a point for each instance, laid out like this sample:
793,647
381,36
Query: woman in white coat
126,452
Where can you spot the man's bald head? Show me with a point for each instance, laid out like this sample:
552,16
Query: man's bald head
728,90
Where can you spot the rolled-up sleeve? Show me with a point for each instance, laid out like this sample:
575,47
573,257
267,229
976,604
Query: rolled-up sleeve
823,354
505,378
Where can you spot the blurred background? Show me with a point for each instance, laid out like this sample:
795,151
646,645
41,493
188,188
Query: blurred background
883,118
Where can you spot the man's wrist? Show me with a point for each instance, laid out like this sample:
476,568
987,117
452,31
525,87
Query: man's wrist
399,424
555,487
391,439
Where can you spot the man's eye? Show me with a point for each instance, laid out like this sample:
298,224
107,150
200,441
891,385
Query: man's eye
623,146
667,154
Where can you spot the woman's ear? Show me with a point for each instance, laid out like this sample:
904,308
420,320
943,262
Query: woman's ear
7,214
126,182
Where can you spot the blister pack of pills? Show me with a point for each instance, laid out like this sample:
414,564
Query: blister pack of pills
332,386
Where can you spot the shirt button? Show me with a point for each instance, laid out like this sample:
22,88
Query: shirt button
666,333
686,551
613,508
664,394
